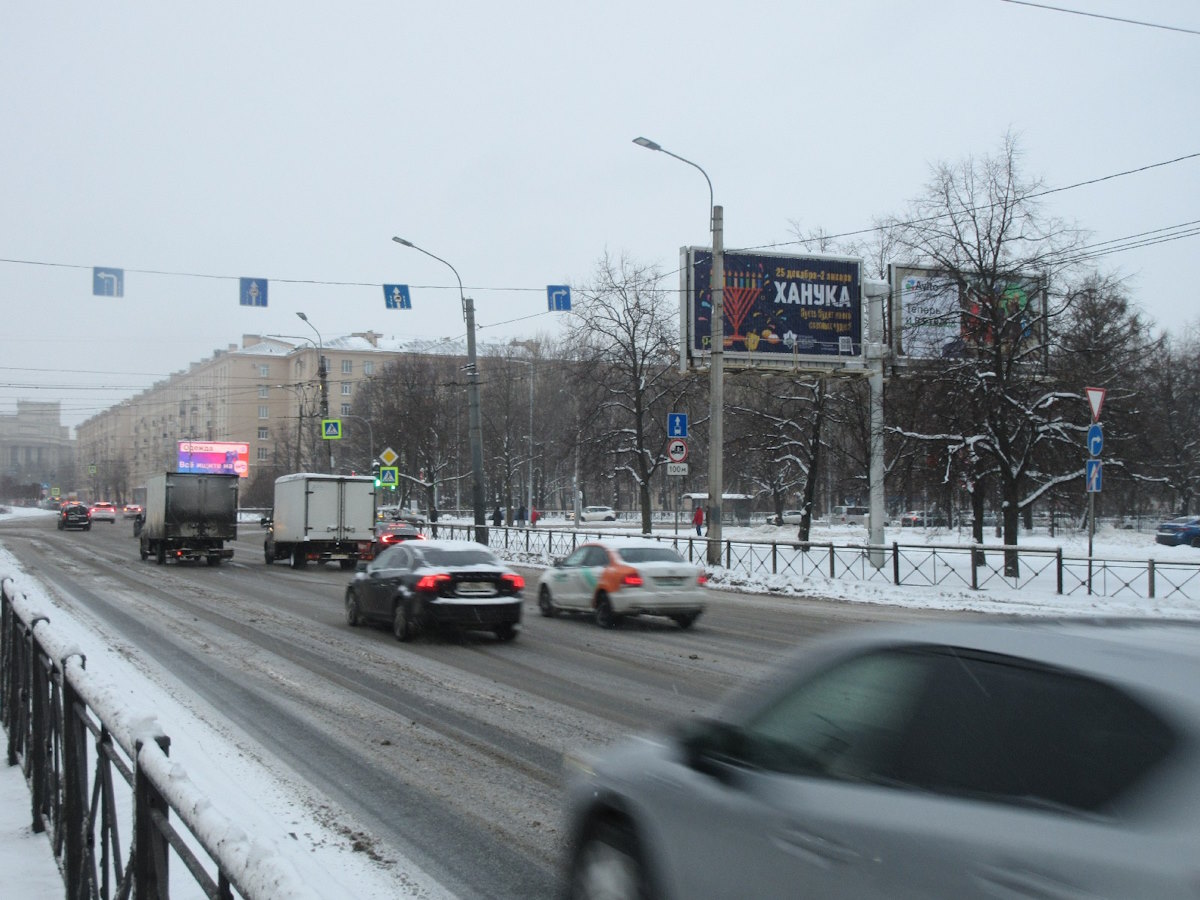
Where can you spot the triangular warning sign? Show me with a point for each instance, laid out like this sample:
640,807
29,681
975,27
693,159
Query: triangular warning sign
1095,397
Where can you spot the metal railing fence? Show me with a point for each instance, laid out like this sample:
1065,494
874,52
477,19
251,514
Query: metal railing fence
88,768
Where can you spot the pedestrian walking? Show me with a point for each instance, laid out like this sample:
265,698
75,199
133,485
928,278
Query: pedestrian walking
497,516
533,516
698,519
521,511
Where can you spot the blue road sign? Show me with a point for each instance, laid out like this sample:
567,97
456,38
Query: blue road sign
331,429
1095,469
1095,439
108,282
558,297
395,296
389,476
677,425
253,292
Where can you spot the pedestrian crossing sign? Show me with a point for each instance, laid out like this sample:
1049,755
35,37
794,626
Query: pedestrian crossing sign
331,429
389,476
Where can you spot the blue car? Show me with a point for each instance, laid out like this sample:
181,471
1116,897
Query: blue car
1184,530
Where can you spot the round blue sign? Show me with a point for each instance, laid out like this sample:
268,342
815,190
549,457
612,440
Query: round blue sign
1095,439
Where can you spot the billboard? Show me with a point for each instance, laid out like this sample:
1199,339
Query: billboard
936,316
781,309
218,457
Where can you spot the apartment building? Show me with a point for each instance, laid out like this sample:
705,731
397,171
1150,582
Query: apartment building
263,393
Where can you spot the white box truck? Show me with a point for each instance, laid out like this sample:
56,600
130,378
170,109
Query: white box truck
189,515
321,518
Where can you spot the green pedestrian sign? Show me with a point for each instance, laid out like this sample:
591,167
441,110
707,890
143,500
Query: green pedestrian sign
331,429
389,476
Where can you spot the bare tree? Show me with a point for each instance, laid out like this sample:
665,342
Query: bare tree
624,329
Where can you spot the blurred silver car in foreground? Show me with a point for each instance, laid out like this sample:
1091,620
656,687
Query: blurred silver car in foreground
955,759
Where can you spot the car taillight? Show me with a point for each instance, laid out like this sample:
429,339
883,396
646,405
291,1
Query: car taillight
632,579
701,578
516,582
433,583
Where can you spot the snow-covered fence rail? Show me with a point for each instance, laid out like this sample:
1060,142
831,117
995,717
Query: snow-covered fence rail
50,706
965,566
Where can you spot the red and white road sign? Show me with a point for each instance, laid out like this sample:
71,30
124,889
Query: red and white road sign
677,450
1095,397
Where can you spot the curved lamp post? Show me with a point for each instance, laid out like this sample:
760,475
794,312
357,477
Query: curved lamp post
716,393
475,431
322,376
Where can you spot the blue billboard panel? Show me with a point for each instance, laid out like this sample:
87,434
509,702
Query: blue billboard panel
396,296
777,305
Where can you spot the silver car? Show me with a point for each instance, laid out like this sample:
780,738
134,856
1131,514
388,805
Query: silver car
957,759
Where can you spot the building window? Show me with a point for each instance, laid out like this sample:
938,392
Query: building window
264,433
347,367
264,412
264,392
345,409
263,454
369,367
347,387
264,370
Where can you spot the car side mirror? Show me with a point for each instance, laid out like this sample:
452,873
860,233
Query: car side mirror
710,747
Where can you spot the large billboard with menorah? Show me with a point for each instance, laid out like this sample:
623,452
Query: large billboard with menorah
781,310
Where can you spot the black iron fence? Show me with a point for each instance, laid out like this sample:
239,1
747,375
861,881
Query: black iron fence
966,566
103,786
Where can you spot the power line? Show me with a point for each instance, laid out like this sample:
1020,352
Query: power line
1080,12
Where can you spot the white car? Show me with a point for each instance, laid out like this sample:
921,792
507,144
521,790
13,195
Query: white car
598,514
613,578
103,511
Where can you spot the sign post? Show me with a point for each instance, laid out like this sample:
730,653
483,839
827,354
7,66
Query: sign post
1094,468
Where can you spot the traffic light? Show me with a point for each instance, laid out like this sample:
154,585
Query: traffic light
375,473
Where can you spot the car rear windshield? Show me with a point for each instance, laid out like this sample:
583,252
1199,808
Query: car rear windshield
438,557
649,554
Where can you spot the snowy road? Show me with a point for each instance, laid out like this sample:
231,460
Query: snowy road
443,752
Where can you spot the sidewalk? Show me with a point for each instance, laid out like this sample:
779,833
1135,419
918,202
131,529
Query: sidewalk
27,867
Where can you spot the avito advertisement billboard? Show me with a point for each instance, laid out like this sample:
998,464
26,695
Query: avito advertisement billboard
780,309
218,457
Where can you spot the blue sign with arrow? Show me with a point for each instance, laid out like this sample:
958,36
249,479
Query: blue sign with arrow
253,292
558,297
108,282
1095,439
395,296
677,425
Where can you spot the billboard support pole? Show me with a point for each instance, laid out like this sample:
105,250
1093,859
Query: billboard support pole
875,292
716,443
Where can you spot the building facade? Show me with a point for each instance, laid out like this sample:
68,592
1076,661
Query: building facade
36,448
266,393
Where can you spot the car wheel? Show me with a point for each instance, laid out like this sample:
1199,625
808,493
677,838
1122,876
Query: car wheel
610,518
505,632
545,604
686,620
353,613
401,626
607,863
605,617
298,560
1196,542
87,527
268,553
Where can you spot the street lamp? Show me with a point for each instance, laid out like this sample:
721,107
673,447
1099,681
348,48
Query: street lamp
716,415
475,435
321,377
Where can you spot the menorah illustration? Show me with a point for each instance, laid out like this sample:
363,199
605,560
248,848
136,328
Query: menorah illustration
741,290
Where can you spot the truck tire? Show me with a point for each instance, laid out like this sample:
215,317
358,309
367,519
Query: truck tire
268,553
160,553
145,554
345,564
298,559
214,560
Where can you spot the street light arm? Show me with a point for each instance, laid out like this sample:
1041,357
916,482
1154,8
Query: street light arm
461,296
651,145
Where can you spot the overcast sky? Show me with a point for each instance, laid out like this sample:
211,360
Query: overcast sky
193,145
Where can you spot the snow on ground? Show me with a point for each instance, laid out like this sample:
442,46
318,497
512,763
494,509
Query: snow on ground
282,812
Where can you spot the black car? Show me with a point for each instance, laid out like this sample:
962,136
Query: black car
74,515
419,585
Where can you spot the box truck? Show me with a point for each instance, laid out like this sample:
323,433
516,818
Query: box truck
189,515
321,518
